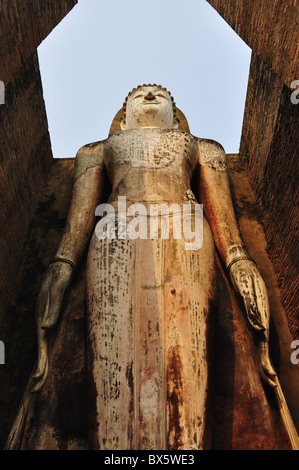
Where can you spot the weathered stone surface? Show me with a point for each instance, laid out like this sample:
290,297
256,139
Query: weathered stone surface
51,427
50,430
23,26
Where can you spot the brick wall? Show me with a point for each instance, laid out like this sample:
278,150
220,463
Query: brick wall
25,149
23,26
270,28
270,124
25,156
270,140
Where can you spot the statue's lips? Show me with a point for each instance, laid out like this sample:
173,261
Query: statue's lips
151,102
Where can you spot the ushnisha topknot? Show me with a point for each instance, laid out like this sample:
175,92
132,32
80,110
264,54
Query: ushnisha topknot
144,85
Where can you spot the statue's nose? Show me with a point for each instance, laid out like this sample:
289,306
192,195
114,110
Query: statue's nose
149,96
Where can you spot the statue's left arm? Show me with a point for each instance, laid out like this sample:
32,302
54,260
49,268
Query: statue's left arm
218,208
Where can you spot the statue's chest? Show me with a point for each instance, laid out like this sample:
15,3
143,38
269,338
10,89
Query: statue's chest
151,149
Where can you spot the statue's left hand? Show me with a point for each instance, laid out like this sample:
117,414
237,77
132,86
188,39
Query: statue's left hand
249,283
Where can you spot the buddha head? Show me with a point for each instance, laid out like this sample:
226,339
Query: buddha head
149,106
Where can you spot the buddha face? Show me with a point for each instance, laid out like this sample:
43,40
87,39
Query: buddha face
149,106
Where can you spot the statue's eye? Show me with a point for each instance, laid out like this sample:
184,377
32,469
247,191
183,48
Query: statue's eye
140,95
161,95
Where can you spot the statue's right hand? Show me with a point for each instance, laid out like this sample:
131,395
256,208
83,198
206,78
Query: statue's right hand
41,372
52,294
48,307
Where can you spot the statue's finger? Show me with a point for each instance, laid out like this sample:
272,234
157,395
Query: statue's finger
41,366
253,316
41,380
49,319
42,352
269,380
54,304
268,369
251,303
262,302
265,359
267,366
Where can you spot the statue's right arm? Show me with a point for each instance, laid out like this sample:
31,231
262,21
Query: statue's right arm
86,195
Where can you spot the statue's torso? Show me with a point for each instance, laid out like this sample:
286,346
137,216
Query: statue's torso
149,302
151,165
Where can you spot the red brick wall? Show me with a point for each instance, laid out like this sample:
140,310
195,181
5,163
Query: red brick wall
270,125
23,26
25,149
25,156
270,139
270,28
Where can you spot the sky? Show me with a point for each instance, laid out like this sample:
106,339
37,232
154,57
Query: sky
101,50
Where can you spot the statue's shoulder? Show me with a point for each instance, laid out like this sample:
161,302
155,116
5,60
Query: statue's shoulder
212,154
209,144
94,148
88,156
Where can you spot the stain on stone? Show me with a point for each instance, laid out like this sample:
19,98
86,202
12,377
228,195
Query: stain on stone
130,381
175,399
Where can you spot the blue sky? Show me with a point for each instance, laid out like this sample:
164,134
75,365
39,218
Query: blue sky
102,50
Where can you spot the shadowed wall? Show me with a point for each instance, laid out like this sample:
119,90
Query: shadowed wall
269,144
25,149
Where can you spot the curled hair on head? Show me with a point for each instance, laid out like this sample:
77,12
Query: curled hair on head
144,85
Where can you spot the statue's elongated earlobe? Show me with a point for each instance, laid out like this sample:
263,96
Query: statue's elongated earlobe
123,124
176,123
